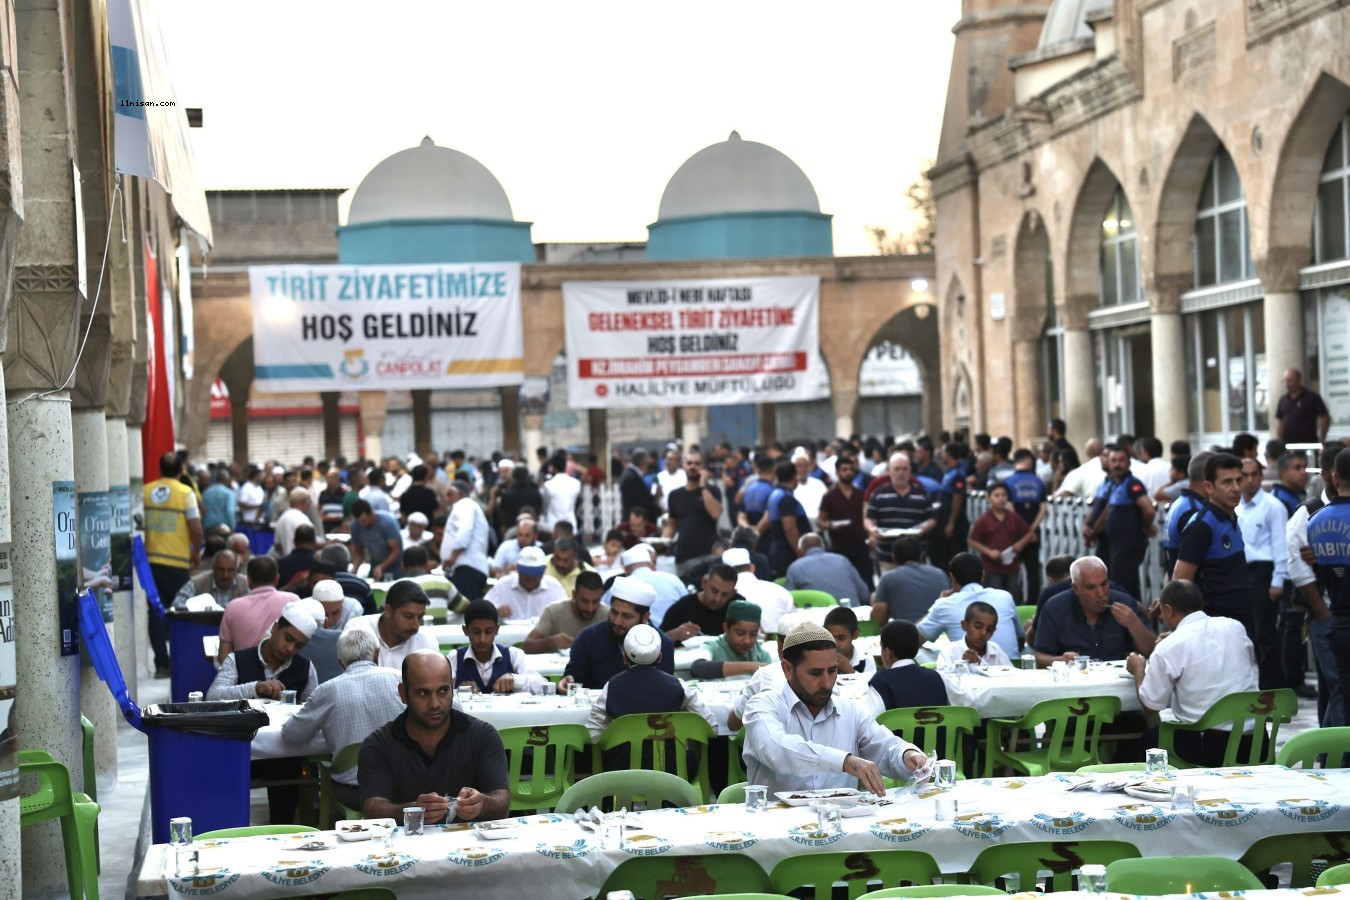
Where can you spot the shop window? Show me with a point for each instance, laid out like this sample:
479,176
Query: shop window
1120,254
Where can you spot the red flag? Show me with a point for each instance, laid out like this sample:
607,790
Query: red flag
157,430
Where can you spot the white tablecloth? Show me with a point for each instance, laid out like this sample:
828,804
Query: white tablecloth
1010,696
551,857
512,631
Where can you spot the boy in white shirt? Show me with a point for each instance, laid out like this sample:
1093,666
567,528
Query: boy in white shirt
979,625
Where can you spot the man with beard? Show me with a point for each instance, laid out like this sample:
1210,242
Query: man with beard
798,738
597,653
430,755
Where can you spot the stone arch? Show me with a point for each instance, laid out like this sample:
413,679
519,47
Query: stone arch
1294,189
914,328
1172,270
1082,255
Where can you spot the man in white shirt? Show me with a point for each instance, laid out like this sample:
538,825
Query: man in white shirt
526,591
1203,660
290,520
1084,480
464,547
798,738
809,491
487,666
527,532
670,478
1262,520
560,494
773,600
398,626
251,498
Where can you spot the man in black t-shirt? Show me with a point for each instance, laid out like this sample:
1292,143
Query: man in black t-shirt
1301,416
694,510
418,497
704,611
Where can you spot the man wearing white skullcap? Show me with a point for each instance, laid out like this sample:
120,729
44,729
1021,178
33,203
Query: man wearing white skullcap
639,562
266,670
597,652
798,738
642,689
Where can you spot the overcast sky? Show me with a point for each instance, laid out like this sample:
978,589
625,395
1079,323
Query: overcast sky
582,110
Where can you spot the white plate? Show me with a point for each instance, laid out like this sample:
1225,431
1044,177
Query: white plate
1151,794
496,831
888,533
373,828
804,798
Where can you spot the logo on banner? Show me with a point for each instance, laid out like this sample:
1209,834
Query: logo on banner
899,831
1142,816
298,875
1063,823
1308,810
354,365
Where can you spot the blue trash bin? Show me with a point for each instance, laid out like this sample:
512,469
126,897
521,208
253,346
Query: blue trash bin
189,667
199,752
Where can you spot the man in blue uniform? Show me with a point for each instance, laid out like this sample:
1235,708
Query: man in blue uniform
1122,512
1026,491
952,522
1183,509
1329,538
1212,554
784,521
754,499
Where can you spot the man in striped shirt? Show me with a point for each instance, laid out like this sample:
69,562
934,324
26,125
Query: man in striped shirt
901,503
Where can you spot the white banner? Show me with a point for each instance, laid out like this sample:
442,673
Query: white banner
693,343
376,328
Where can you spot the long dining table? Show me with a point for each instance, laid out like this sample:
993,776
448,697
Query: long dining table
557,858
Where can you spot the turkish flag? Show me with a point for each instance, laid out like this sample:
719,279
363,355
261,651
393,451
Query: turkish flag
157,430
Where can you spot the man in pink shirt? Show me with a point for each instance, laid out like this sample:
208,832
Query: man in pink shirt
249,619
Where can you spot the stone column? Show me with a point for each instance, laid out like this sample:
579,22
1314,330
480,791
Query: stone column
510,402
90,432
374,405
597,423
534,438
691,425
1080,386
1284,342
1169,377
845,405
421,412
139,665
768,423
1028,396
332,426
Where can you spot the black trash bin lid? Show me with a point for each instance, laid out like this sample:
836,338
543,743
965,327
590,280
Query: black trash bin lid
99,645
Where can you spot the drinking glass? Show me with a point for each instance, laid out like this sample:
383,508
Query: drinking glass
465,692
960,669
756,798
288,698
550,689
945,807
428,621
1028,660
1092,878
829,818
611,830
1155,762
945,774
180,838
1183,796
412,820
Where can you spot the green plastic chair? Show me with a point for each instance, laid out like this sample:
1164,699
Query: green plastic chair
820,871
253,831
868,628
735,754
752,895
656,877
1025,614
1267,709
1059,751
940,730
330,810
1301,851
781,581
1059,858
1303,749
54,799
921,891
90,778
540,777
1158,875
808,599
733,793
377,595
622,789
1106,768
670,736
1334,876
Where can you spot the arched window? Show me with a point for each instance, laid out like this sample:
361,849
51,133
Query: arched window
1331,240
1120,254
1222,247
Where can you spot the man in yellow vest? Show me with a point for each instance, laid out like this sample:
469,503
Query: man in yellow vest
173,544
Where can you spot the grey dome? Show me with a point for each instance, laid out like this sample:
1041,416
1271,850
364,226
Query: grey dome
1066,22
429,182
737,176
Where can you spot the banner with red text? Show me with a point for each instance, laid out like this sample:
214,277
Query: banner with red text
693,343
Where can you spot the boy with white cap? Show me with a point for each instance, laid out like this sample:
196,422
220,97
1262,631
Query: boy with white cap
597,652
526,591
642,687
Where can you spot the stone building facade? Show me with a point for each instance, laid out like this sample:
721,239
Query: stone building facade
1142,215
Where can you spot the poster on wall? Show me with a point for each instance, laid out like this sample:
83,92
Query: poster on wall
96,523
693,343
9,680
67,565
377,328
1335,356
121,537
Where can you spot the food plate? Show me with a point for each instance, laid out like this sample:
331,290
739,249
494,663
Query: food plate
1149,792
804,798
496,831
996,671
888,533
363,829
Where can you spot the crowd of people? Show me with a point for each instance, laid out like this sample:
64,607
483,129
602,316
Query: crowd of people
1254,562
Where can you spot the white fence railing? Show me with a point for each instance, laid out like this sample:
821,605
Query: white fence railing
599,509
